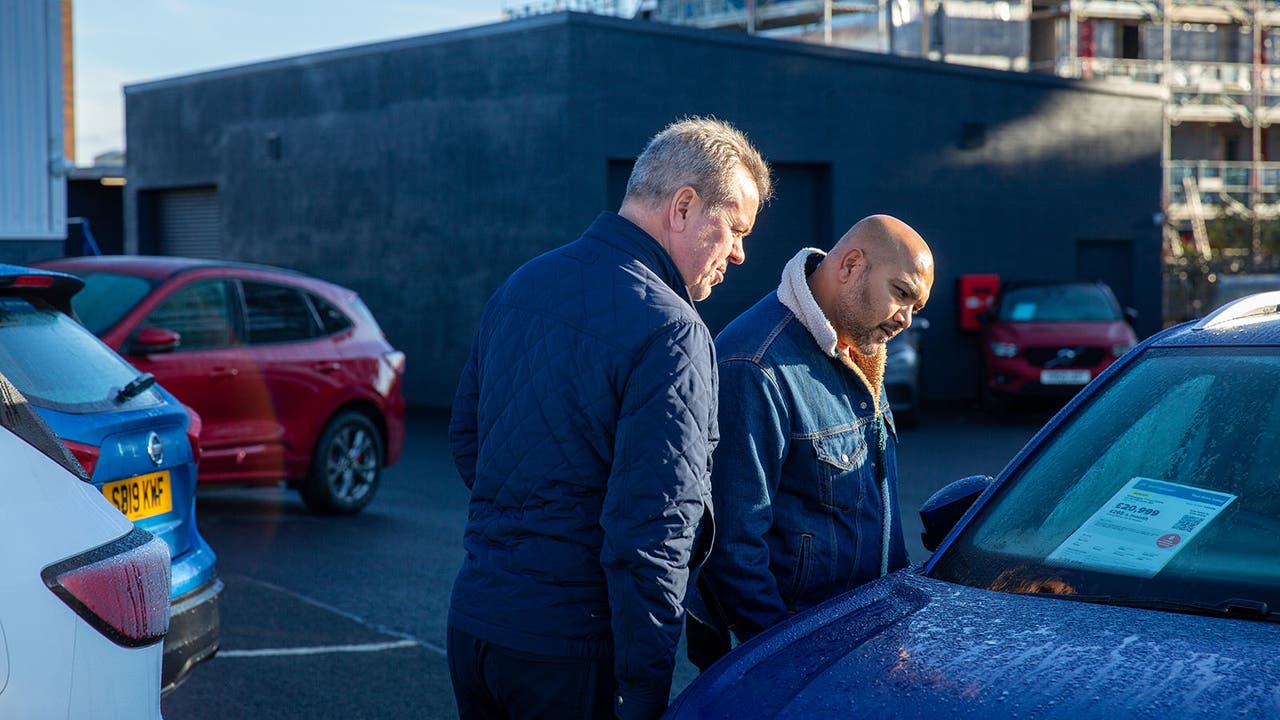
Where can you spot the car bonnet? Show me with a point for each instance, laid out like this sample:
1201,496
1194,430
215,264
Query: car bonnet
909,646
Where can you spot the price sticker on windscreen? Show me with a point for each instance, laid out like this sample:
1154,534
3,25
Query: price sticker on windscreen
1140,529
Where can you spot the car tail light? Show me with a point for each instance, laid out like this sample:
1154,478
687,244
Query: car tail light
394,360
121,588
391,367
194,426
86,454
32,281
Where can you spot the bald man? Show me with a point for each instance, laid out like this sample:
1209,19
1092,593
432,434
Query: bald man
805,477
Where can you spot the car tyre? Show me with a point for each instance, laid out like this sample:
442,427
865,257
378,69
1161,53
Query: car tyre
346,466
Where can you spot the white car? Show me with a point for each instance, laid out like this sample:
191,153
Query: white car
84,596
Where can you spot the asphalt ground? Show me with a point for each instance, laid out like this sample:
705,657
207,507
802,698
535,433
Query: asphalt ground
328,617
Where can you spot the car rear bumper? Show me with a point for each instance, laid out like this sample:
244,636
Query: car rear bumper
195,622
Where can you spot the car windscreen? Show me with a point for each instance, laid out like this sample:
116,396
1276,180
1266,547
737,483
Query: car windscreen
1058,303
1165,487
59,365
106,297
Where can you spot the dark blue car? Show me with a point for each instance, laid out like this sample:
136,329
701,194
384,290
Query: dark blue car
1126,564
137,443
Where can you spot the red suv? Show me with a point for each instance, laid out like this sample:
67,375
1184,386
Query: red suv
1052,338
291,375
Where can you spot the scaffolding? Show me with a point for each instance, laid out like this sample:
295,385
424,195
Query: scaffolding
1216,61
759,15
516,10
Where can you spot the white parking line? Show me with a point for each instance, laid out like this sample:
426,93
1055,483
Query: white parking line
405,638
319,650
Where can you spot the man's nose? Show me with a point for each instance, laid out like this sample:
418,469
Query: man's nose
903,317
738,254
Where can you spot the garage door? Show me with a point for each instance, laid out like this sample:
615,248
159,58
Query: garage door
190,223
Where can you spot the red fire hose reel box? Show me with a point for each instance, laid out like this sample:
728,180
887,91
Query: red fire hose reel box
977,295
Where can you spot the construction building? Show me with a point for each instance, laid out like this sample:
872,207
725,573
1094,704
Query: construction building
1214,60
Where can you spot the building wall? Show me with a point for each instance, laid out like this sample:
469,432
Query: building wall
422,172
32,191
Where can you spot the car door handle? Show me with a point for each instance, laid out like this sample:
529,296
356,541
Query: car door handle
224,372
327,367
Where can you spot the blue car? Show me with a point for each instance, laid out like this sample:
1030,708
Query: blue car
1126,564
135,441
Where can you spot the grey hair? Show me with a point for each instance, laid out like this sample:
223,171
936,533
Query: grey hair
703,153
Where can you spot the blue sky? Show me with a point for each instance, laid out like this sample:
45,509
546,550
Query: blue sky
123,42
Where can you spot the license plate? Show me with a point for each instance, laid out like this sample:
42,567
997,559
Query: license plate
1065,377
142,496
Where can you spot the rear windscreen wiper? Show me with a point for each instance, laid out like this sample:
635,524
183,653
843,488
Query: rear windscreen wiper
136,387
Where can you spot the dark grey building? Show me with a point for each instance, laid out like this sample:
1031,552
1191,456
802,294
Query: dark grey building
420,172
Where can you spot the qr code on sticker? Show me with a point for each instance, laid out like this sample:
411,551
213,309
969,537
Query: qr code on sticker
1187,523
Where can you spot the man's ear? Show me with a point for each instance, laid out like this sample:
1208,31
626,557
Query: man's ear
679,208
851,263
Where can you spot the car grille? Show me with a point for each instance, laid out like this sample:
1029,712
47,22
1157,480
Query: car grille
1084,356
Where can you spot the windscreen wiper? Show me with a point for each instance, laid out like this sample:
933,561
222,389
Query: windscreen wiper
1245,608
136,387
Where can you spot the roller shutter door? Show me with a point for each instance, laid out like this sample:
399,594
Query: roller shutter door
190,223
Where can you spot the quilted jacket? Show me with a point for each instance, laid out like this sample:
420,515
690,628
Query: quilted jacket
584,423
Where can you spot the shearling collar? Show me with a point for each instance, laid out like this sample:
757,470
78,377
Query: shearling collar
795,294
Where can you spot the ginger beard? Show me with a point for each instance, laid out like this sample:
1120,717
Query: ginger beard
861,332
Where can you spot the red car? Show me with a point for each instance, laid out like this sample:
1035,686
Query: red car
1051,339
291,375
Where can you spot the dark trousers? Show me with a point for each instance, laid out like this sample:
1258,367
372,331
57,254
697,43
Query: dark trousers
491,682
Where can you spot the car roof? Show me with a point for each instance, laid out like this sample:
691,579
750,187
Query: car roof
1249,321
158,266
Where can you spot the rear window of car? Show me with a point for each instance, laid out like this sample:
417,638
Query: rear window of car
17,416
276,314
1058,303
106,298
333,319
57,364
363,311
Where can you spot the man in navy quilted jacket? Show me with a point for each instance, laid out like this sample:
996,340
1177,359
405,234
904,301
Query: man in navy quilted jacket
584,424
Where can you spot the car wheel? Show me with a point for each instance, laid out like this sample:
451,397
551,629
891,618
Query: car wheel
346,466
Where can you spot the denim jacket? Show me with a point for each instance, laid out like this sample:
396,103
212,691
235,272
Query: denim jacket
804,479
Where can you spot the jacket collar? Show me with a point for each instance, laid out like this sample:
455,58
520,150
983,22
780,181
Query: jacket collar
795,294
624,235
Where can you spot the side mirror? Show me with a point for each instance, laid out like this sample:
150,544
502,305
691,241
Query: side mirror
153,339
1131,315
943,509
